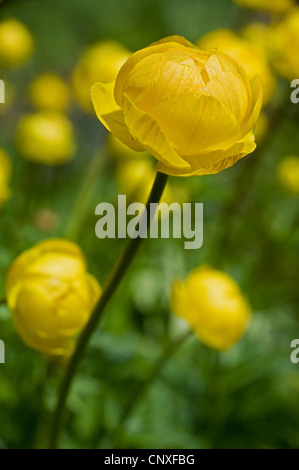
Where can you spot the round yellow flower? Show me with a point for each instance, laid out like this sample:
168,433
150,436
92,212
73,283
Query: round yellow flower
101,61
252,57
5,173
270,6
48,92
288,174
16,43
50,295
286,44
212,303
193,110
46,138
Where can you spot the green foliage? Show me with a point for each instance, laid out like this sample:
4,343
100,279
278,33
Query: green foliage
244,398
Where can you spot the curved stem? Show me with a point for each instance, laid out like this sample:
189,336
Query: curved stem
114,280
168,352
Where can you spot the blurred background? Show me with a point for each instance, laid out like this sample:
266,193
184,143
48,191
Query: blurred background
246,397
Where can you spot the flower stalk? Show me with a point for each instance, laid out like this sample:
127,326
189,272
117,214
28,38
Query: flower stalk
113,282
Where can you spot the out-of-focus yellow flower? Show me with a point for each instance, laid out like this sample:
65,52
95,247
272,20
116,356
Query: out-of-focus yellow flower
46,138
49,92
262,128
16,43
5,173
51,295
250,55
270,6
135,179
101,61
288,174
286,44
193,110
260,34
214,306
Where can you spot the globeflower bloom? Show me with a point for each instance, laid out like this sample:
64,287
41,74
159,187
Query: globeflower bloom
252,57
213,305
5,173
288,173
101,61
16,43
49,92
270,6
51,295
193,110
46,138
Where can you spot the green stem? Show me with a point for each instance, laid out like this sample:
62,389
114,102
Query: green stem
168,352
114,280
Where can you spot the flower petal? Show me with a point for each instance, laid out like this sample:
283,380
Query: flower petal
177,39
135,58
110,114
147,132
257,101
196,124
213,162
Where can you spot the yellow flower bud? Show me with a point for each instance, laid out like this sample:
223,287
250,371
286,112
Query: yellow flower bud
260,34
5,173
288,174
46,138
16,43
50,295
213,305
252,57
193,110
48,92
270,6
101,61
286,44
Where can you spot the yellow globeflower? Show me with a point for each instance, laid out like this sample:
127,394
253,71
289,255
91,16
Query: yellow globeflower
48,92
5,173
101,61
252,57
16,43
288,174
270,6
214,306
286,44
51,295
193,110
46,138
